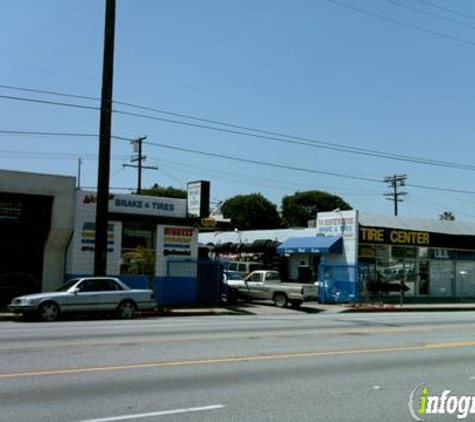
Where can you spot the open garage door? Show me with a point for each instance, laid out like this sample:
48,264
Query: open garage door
25,221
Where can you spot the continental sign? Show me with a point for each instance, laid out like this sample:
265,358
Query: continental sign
394,236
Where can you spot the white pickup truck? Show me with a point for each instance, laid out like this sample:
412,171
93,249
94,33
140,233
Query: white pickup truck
267,285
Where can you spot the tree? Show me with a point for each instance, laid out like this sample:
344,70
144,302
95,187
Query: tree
447,216
139,261
169,192
299,208
251,212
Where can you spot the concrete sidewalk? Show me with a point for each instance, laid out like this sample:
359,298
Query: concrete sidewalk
262,308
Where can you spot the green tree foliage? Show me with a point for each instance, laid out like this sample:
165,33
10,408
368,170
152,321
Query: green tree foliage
169,192
299,208
251,212
139,261
447,216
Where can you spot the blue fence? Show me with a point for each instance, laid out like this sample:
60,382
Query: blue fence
188,282
340,283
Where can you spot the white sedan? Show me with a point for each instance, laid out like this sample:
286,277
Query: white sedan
88,294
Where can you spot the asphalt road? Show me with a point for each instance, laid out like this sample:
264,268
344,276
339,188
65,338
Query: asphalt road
273,367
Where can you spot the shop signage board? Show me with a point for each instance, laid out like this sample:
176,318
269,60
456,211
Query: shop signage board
344,224
402,237
176,243
198,199
135,204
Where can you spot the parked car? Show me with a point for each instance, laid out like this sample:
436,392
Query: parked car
267,285
232,280
89,294
244,267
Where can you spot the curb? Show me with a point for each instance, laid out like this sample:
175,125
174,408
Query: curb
408,309
223,311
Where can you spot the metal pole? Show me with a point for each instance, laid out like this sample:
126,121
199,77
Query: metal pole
100,251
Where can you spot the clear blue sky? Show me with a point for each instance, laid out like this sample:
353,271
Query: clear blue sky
372,75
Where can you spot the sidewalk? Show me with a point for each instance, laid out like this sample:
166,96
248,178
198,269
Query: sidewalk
262,308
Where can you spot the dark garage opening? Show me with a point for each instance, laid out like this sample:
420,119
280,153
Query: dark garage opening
25,221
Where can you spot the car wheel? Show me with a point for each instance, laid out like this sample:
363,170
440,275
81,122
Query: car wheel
49,312
280,300
127,310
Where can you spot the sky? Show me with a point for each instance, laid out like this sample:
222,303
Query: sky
268,96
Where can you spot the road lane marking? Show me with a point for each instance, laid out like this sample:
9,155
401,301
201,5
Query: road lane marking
236,359
153,414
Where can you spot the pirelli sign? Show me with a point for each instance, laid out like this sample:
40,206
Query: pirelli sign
394,236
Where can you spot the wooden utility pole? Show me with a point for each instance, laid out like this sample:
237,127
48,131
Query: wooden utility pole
139,158
103,176
395,182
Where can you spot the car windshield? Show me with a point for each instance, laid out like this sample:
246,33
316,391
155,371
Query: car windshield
233,276
66,286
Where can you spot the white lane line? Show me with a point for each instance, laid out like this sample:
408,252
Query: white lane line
152,414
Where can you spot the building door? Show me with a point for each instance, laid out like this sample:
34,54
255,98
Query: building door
424,277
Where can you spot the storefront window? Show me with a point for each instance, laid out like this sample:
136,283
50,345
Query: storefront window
465,279
423,252
403,252
138,249
465,256
441,278
366,253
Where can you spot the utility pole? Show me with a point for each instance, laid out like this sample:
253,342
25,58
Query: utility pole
395,182
139,158
103,176
79,173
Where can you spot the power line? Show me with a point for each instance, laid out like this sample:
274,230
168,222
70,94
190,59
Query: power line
262,134
39,133
305,170
455,12
52,155
55,155
402,23
434,15
262,163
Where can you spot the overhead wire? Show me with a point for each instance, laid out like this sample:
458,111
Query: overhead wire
447,9
249,161
434,15
258,133
402,23
300,169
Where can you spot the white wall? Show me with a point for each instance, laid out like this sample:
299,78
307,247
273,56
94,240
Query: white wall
345,224
62,189
169,238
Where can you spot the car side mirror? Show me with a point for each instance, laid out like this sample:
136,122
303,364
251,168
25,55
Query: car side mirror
76,290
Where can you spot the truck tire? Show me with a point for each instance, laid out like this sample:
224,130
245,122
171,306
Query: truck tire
280,300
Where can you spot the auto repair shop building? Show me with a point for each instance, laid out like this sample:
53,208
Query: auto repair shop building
362,253
47,230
